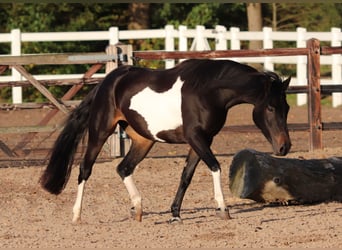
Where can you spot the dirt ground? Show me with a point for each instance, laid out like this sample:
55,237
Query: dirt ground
31,217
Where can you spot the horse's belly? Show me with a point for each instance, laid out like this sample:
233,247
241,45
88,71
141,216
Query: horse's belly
161,111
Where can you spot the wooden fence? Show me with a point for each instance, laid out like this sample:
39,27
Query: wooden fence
313,51
118,143
23,151
183,38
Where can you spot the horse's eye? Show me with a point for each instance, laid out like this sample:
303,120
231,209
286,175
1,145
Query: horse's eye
270,108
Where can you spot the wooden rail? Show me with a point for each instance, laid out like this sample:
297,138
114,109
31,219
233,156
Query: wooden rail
315,126
162,55
54,82
56,59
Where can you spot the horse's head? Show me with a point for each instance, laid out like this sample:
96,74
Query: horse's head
270,114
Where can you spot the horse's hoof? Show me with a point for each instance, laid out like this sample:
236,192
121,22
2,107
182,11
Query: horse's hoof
136,214
76,221
175,221
223,214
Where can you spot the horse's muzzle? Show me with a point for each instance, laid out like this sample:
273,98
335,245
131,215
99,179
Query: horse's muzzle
281,144
283,149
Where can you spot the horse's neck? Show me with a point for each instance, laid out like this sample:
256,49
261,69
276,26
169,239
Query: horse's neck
249,94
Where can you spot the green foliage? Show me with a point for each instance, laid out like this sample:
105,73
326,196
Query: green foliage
49,17
54,17
312,16
207,14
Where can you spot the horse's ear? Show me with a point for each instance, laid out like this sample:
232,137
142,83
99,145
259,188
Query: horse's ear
286,83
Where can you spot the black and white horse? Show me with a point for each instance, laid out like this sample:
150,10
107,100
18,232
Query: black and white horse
185,104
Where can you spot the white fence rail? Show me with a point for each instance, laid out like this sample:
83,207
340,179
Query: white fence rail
197,39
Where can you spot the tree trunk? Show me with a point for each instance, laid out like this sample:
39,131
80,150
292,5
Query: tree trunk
263,178
274,17
139,19
139,13
254,17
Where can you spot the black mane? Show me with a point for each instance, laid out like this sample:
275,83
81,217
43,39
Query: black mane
201,72
276,80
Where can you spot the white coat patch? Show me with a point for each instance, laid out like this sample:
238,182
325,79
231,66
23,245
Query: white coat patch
162,111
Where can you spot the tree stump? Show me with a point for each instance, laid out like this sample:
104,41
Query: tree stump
264,178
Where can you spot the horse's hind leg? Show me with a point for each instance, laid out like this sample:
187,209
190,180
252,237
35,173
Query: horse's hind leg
188,172
97,137
140,146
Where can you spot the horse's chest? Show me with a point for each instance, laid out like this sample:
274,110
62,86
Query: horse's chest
161,110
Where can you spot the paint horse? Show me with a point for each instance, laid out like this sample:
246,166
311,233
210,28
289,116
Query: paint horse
184,104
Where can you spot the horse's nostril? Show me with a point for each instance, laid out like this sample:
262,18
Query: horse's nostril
283,150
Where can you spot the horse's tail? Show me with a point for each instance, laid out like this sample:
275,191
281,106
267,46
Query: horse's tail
57,173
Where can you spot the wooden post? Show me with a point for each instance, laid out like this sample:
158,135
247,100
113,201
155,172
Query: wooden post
114,139
314,95
264,178
119,141
125,55
111,50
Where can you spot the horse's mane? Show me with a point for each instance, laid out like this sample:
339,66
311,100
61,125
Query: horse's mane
207,73
200,73
277,81
273,76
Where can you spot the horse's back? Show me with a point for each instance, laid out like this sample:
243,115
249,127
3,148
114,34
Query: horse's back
152,101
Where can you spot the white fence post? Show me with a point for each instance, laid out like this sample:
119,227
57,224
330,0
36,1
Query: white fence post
182,39
234,40
336,72
301,66
268,44
200,43
220,40
169,45
113,35
17,96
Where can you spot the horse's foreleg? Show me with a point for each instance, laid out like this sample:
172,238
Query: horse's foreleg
188,172
222,210
139,148
202,147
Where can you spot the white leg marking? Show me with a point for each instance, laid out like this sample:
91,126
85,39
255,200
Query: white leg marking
132,190
218,190
78,203
135,197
